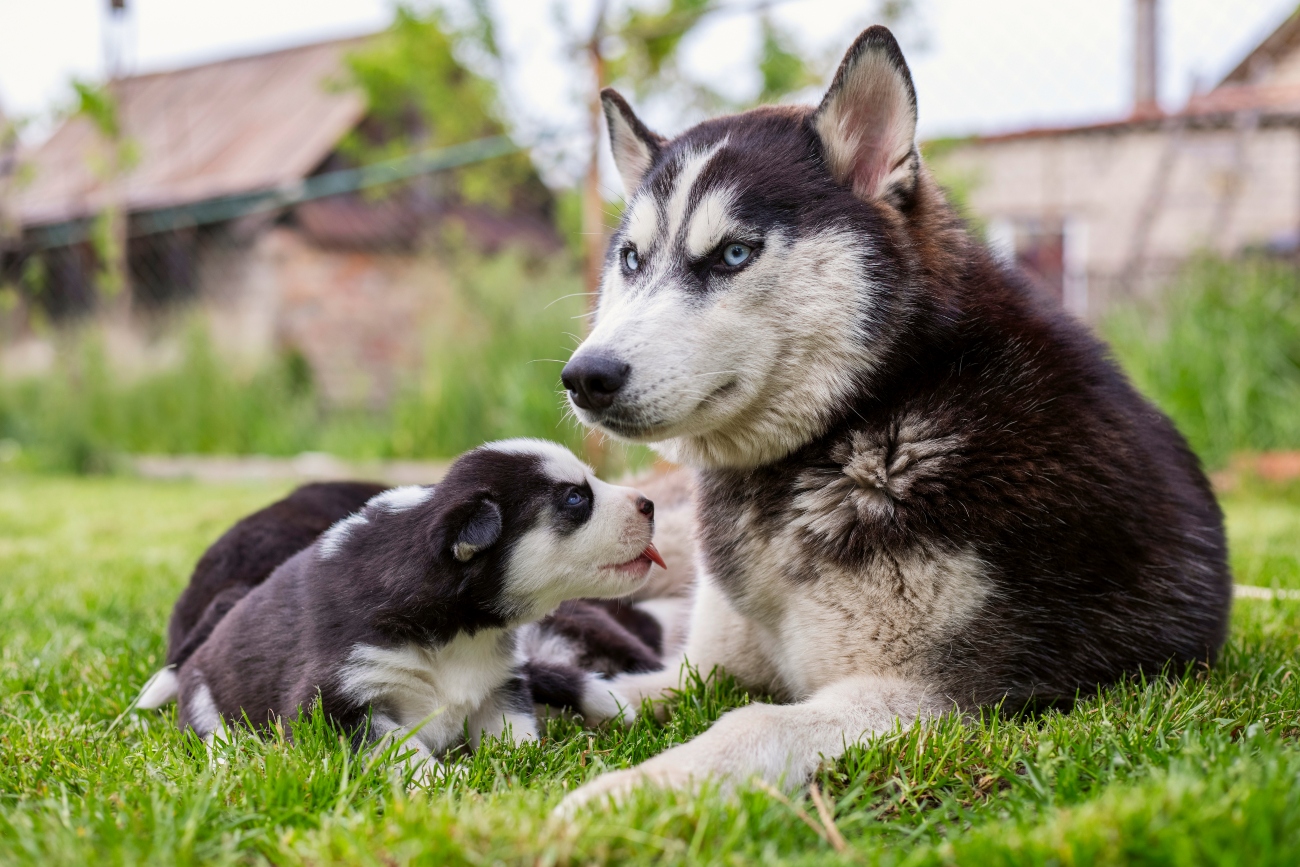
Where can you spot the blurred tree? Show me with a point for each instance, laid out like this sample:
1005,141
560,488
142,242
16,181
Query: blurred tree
120,154
421,96
783,68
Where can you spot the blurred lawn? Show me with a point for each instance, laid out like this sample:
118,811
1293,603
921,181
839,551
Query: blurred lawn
1201,769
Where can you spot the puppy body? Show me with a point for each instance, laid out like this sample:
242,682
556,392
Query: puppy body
242,558
402,618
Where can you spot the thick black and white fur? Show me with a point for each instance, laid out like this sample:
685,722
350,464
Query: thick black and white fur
402,619
582,636
920,488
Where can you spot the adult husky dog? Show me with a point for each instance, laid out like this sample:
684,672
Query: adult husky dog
919,488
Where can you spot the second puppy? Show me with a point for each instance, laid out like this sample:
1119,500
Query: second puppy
402,618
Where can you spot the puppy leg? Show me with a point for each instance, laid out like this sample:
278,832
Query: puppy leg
508,712
197,709
775,743
721,637
412,755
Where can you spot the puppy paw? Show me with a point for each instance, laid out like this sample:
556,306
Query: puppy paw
601,702
430,772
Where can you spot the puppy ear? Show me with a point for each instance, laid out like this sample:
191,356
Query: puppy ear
479,528
635,147
867,121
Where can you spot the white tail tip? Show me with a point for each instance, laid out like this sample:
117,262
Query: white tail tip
160,689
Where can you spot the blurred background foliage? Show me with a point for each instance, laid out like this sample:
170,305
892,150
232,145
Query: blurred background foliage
491,371
1219,349
421,96
1220,353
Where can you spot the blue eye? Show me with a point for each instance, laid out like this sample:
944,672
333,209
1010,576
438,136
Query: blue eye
631,260
575,498
735,255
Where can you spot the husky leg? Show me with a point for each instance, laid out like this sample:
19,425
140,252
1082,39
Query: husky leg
720,636
780,744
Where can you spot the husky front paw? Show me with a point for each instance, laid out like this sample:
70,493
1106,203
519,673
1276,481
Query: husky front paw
615,786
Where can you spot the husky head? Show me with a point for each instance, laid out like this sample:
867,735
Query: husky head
760,274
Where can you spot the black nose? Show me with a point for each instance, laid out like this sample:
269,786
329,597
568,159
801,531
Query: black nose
594,379
645,507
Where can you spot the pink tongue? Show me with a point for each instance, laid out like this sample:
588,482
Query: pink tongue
654,556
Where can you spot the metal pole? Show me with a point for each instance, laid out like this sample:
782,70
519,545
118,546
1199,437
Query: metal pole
1146,60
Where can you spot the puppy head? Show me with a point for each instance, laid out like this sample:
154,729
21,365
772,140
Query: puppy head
514,529
755,282
527,525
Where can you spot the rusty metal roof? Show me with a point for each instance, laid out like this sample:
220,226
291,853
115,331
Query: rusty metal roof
235,126
1282,41
1220,106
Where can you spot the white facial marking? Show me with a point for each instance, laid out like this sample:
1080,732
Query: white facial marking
692,164
558,462
643,223
332,540
400,499
711,222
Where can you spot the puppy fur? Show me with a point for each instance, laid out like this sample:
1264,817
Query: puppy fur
402,619
582,636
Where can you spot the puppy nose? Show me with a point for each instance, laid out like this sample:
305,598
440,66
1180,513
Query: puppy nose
645,507
594,379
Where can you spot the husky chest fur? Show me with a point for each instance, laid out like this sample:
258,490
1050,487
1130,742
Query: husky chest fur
911,470
407,612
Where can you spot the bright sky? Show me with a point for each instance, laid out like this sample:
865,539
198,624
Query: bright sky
980,65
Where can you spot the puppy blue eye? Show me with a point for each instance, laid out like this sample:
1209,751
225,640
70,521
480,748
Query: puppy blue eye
574,499
735,255
631,260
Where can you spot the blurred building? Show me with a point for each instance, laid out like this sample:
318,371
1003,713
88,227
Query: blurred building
235,196
1107,210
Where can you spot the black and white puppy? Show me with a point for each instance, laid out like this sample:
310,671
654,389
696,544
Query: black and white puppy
401,619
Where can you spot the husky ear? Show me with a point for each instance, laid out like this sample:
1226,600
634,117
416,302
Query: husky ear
867,120
635,147
476,528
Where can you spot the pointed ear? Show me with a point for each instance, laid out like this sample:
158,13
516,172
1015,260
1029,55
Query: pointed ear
476,528
635,147
867,121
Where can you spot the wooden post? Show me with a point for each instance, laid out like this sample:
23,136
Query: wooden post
593,203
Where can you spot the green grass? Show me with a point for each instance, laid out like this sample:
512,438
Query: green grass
1200,769
1220,354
